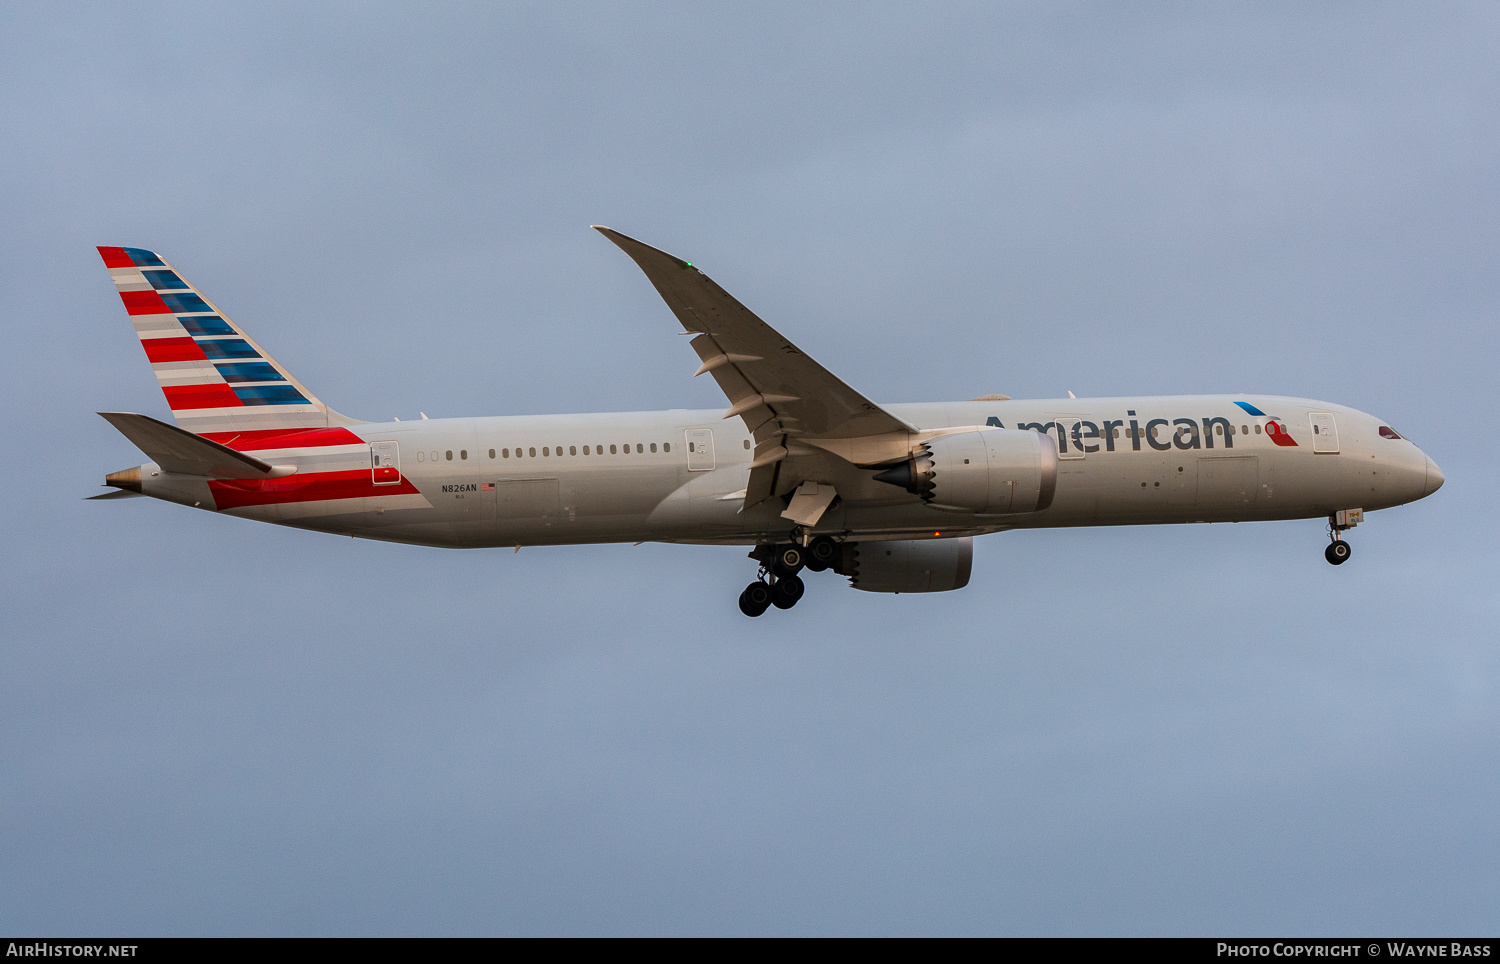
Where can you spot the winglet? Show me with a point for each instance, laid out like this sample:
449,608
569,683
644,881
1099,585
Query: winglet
639,249
749,358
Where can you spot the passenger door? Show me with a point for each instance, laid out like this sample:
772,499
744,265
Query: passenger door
385,463
1069,437
700,449
1325,431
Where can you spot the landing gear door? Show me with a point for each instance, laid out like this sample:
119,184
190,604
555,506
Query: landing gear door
700,449
385,463
1325,431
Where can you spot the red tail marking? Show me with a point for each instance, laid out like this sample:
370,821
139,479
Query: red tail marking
181,397
282,438
172,349
320,487
115,258
144,303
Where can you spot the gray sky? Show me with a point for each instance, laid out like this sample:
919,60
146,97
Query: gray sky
211,726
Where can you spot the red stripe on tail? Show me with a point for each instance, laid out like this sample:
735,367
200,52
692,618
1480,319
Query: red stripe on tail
172,349
217,395
144,303
284,438
115,257
320,487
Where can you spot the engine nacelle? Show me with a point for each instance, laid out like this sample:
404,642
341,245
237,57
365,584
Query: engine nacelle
989,472
920,565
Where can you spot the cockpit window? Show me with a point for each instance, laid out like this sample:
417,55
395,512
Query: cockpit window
1387,432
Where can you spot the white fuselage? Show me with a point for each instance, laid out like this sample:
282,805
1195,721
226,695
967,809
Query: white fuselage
526,480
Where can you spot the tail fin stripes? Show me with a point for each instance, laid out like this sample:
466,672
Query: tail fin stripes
216,379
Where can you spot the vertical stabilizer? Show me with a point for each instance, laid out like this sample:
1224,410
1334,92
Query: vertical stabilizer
217,380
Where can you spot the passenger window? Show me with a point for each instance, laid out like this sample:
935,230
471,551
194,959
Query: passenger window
449,453
531,452
1257,429
585,450
463,454
1244,430
505,453
1218,429
612,450
433,456
546,453
492,453
639,449
653,446
419,456
666,446
572,450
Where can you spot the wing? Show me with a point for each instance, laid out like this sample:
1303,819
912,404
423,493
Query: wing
773,385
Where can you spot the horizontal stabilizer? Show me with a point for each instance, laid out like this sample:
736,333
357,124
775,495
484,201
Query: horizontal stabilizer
116,494
177,450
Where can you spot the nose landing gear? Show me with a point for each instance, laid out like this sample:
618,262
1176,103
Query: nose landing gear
1339,551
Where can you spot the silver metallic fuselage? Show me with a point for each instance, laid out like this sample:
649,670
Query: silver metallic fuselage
470,499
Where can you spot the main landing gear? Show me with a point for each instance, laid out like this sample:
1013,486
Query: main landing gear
1339,551
779,583
765,592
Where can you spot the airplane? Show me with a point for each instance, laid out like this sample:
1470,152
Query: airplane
801,467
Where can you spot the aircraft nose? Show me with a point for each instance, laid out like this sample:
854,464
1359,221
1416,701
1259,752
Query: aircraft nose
1434,478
